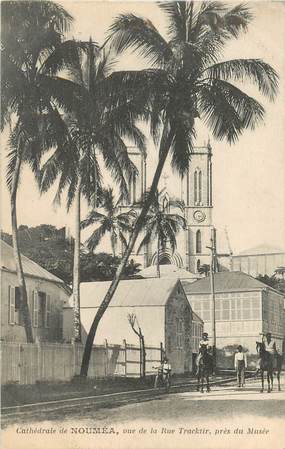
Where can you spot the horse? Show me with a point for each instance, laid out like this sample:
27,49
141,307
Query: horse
205,368
267,364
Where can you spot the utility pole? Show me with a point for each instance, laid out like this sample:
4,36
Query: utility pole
213,302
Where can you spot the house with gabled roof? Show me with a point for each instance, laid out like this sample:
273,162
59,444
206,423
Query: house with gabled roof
46,296
161,308
244,308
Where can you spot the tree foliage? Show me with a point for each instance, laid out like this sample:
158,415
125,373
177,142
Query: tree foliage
47,246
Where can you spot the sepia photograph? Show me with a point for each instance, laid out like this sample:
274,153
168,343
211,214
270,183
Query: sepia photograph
142,224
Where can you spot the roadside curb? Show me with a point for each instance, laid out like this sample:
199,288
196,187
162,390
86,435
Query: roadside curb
100,400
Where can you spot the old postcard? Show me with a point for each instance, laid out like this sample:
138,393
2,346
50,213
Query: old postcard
142,224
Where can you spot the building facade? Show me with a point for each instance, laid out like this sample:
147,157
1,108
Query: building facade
161,309
46,296
196,193
261,260
244,309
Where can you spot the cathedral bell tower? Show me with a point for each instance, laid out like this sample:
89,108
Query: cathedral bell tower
196,192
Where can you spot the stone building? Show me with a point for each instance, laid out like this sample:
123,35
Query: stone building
160,306
196,193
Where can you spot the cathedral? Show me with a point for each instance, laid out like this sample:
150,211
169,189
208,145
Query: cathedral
196,193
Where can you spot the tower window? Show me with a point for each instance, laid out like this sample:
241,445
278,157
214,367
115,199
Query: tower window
197,186
200,187
198,242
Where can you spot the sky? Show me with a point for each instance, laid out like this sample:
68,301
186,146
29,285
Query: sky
248,177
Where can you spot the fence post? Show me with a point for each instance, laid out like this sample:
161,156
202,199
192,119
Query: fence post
19,363
39,361
106,358
74,353
126,358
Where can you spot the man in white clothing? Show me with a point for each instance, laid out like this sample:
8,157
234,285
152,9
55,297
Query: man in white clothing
240,365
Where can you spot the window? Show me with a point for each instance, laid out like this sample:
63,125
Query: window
218,310
196,186
200,187
11,296
48,311
41,309
225,309
205,310
198,242
35,309
15,315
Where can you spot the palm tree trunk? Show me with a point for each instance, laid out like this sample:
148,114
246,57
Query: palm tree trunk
157,260
76,267
24,307
165,145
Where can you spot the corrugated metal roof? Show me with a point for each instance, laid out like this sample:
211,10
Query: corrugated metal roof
227,281
260,250
134,292
30,268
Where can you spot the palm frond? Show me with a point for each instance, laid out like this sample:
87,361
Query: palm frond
93,241
130,31
261,74
227,110
92,218
67,55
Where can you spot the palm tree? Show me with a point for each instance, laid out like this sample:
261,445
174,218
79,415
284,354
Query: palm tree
95,128
185,82
114,222
32,53
160,224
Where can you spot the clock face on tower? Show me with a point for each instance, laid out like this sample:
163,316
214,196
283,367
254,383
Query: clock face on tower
199,216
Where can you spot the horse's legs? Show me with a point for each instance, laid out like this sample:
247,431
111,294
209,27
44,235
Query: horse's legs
272,379
262,380
278,380
208,384
268,380
202,383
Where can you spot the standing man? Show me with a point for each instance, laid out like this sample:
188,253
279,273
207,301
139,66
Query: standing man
240,365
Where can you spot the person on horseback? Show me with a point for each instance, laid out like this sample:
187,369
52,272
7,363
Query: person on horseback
203,346
270,347
240,365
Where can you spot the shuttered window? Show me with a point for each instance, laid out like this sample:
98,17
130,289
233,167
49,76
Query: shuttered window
11,296
35,309
48,311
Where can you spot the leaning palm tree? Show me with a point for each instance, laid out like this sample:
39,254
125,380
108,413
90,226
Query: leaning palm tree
93,136
186,80
162,226
113,221
32,54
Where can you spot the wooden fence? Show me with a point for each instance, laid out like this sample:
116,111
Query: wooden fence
26,363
